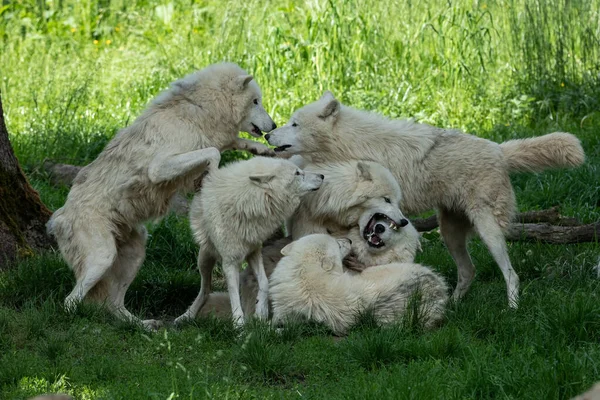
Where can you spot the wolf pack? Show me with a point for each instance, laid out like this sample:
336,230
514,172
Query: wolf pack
340,180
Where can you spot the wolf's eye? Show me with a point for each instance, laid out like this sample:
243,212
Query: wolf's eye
294,124
255,101
387,199
297,172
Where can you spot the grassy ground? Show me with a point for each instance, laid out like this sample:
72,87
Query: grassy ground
73,73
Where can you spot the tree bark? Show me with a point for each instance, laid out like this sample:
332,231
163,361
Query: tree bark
546,226
23,216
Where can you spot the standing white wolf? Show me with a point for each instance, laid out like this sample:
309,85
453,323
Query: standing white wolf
310,281
181,133
239,207
465,177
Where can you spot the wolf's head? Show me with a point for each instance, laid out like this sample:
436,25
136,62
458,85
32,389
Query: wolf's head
282,176
381,217
309,128
378,229
319,250
229,94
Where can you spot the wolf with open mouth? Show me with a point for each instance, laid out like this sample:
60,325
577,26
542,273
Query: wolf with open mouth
358,200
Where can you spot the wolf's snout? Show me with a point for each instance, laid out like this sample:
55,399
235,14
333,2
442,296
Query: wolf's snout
379,228
274,126
403,222
267,136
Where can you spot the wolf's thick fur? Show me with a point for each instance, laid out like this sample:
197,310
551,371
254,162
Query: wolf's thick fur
180,134
310,281
464,177
239,207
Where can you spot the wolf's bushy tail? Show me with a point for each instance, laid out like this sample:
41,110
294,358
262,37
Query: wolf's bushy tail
555,150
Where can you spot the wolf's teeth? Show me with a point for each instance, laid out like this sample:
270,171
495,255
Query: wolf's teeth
393,226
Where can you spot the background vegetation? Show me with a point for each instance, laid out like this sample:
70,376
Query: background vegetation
74,72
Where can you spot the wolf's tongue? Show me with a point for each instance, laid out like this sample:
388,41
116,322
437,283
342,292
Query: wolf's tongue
375,239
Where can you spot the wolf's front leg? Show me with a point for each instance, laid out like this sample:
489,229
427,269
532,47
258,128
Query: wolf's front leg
255,262
253,147
164,168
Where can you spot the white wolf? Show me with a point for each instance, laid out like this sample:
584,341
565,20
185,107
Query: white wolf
181,133
239,207
464,177
310,281
356,193
359,200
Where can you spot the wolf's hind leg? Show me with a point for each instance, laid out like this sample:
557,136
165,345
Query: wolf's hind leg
455,228
206,263
130,256
97,252
490,232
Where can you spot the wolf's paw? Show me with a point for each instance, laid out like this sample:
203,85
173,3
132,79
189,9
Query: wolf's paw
182,319
351,262
152,324
262,311
265,152
71,304
213,156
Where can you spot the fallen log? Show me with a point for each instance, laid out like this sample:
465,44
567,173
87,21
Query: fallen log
546,226
550,215
555,234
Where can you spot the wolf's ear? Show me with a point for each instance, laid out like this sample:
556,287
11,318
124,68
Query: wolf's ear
286,250
331,109
364,172
328,263
183,85
241,82
261,179
327,96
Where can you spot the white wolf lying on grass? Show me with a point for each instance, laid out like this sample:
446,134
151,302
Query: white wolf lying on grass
400,247
240,206
181,133
464,177
310,281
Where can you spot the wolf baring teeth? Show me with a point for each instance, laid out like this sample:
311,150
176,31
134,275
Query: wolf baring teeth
377,227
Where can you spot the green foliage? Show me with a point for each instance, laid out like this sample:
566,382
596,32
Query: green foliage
74,73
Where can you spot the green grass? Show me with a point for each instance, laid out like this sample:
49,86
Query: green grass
73,73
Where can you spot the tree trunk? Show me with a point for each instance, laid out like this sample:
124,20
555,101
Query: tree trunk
23,216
